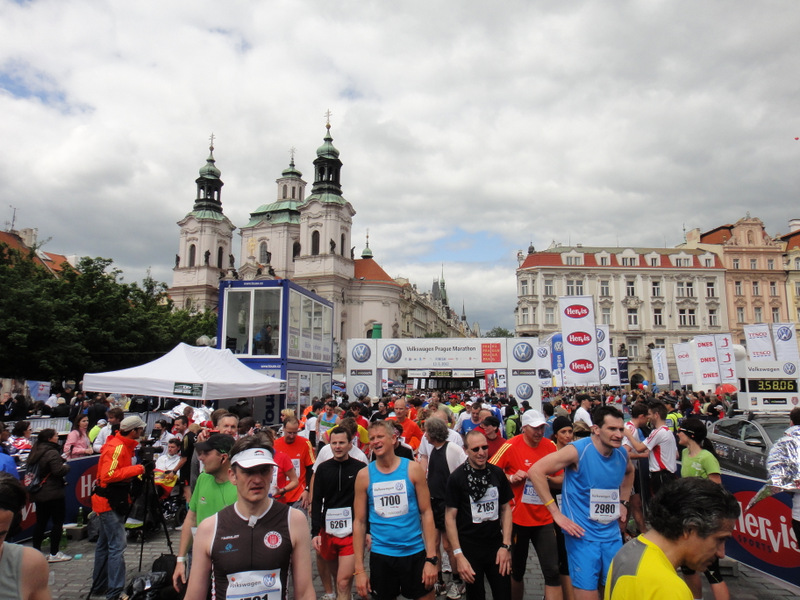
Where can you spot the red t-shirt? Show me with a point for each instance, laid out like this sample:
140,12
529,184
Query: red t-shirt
302,455
517,455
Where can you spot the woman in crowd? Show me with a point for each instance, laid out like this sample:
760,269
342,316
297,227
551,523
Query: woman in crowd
78,444
698,459
50,498
562,436
20,440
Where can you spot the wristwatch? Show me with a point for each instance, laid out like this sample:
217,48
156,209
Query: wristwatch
625,503
434,560
505,546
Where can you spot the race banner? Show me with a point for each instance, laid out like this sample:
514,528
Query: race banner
522,376
544,365
442,353
785,336
660,370
604,354
363,378
683,360
579,333
622,367
759,342
725,358
613,372
557,359
707,363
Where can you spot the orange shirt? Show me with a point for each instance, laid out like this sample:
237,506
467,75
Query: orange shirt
302,455
411,432
517,455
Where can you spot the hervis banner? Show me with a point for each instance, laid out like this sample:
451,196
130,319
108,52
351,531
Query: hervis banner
580,340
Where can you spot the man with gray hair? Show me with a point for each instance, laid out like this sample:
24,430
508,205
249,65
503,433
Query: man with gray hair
444,459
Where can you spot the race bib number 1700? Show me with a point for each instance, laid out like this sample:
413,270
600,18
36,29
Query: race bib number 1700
390,498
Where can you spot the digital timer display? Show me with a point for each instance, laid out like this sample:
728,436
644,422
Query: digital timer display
772,385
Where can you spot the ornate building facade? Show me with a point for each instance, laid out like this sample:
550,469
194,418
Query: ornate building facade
306,239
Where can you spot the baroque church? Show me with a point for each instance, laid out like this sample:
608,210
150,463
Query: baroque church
307,239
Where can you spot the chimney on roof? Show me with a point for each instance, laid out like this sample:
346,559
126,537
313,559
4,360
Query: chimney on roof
794,225
28,236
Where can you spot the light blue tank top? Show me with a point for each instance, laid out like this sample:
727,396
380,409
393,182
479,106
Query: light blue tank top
597,472
394,518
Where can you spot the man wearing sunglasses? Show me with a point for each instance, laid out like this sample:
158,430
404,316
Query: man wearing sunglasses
479,523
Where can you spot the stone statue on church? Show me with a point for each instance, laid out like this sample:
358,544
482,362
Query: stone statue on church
177,260
231,260
207,257
333,247
268,257
353,253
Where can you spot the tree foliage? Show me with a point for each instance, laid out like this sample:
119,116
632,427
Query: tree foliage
87,320
499,332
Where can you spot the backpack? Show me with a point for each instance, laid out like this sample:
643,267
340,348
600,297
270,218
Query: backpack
33,480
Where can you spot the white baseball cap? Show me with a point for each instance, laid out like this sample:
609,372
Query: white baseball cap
253,457
533,418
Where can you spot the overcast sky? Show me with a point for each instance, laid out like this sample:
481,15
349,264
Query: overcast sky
468,129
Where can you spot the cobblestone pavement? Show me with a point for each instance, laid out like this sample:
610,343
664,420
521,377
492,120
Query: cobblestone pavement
72,580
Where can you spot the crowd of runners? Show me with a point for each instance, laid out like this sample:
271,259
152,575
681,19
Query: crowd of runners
430,494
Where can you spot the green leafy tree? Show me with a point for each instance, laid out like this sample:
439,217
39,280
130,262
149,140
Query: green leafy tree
499,332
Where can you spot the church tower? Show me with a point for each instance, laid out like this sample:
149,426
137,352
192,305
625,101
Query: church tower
205,249
271,239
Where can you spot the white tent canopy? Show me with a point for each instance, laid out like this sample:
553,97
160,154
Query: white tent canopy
199,373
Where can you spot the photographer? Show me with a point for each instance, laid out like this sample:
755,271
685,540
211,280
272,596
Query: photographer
166,474
111,500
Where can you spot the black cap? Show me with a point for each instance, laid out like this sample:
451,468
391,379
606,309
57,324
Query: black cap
220,442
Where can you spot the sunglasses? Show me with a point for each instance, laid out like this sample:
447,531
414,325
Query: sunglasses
479,448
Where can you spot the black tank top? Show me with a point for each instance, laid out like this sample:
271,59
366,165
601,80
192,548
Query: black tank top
251,562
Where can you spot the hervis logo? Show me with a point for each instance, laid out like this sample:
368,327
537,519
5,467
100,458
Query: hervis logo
579,338
361,390
392,353
581,365
576,311
789,368
600,334
784,333
523,352
524,391
361,353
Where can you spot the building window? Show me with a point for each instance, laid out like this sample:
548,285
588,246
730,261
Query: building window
548,287
192,255
315,243
797,288
756,289
737,288
604,261
523,287
685,289
342,245
575,260
758,314
683,262
549,315
709,262
687,317
797,263
776,315
660,343
605,316
773,288
524,316
219,257
604,291
633,348
656,287
740,314
285,189
654,262
629,261
295,250
263,253
574,287
771,264
630,287
711,289
753,263
633,316
658,317
713,318
735,263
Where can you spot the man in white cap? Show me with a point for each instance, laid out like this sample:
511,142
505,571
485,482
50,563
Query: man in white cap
111,502
252,543
532,521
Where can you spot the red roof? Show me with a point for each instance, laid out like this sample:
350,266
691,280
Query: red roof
52,261
553,259
718,235
792,239
367,269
